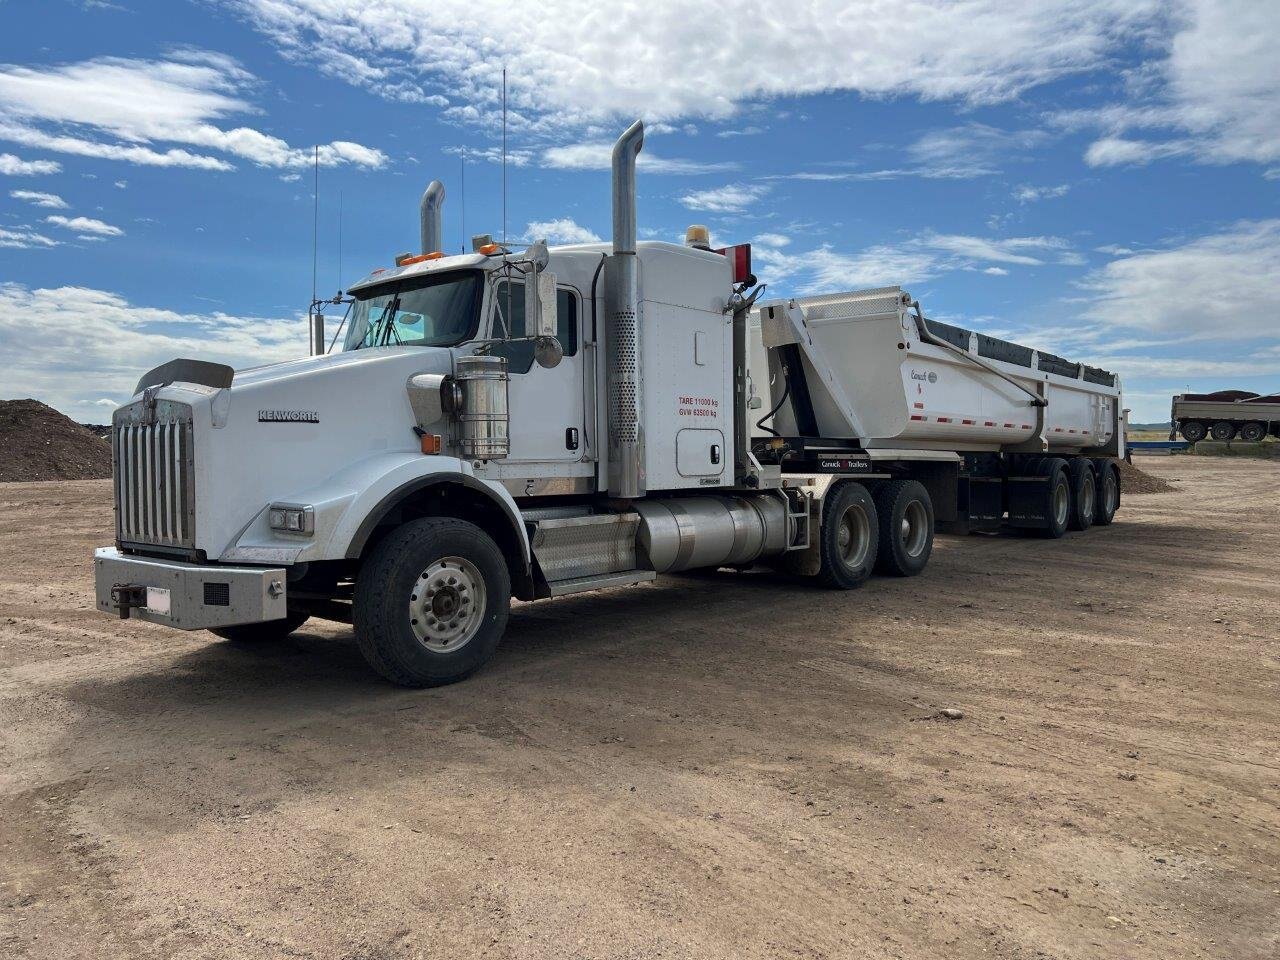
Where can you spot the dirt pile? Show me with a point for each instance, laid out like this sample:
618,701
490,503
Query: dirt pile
1133,480
39,443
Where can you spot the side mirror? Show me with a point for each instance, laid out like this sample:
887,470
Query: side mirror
540,305
548,351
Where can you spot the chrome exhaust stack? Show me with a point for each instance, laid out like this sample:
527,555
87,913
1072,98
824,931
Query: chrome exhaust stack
626,430
429,218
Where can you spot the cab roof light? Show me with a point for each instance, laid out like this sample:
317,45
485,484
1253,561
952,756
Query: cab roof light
489,249
740,257
405,260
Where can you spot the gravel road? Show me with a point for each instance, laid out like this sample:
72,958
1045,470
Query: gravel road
715,766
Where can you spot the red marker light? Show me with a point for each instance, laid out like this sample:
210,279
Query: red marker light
740,256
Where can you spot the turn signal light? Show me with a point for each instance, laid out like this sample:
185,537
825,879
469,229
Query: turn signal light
431,443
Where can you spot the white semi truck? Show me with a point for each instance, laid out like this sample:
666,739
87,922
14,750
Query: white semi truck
533,424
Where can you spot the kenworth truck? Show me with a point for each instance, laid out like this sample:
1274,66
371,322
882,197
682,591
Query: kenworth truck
538,423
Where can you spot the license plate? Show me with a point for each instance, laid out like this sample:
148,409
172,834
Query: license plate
158,600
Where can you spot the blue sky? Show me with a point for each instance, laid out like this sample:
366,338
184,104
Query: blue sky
1098,177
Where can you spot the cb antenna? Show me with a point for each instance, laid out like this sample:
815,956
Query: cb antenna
504,156
315,221
463,179
339,243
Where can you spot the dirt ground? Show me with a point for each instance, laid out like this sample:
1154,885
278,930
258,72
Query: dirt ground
722,766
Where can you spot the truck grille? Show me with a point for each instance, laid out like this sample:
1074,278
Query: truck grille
154,465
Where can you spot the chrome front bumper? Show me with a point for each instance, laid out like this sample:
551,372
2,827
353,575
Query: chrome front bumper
185,595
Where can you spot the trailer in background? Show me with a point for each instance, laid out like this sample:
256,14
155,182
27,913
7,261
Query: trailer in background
1225,415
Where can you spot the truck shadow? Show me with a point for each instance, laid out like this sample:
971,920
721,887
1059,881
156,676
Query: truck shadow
660,626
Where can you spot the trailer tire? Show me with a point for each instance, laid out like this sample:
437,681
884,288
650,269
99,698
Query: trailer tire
1253,432
906,528
1084,494
849,538
1222,431
1057,497
431,602
1193,431
268,631
1107,501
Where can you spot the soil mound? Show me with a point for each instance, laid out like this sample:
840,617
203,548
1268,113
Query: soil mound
1133,480
39,443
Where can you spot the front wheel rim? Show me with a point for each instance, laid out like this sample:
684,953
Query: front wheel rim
447,604
853,539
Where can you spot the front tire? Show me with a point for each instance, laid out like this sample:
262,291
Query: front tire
268,631
848,541
1084,499
906,528
1193,431
431,602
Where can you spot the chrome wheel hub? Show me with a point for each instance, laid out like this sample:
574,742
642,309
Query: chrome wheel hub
1061,502
914,531
447,604
854,537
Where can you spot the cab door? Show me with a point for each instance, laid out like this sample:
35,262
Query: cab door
547,407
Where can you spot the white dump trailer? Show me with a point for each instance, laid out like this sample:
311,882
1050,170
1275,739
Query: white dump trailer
538,423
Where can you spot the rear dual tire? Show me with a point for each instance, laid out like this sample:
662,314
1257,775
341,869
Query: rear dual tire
1193,431
905,512
849,537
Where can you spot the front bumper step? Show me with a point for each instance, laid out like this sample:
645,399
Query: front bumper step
186,595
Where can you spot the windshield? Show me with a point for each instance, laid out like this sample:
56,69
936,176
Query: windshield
432,311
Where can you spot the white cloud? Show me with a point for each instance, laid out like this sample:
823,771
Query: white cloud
731,198
598,156
996,271
1016,250
1214,97
1029,194
49,200
563,230
515,157
577,63
85,225
122,184
951,153
138,103
772,239
24,238
17,167
1222,286
95,342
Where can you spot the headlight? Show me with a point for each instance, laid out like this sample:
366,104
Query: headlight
292,518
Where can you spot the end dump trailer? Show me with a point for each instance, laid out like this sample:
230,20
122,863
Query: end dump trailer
539,423
1225,415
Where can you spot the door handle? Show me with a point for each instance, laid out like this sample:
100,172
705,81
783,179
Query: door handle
571,438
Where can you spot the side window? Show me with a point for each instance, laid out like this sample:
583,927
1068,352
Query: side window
508,316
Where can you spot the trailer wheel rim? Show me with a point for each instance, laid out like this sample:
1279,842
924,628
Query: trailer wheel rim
914,530
1109,493
447,604
853,538
1061,501
1086,496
